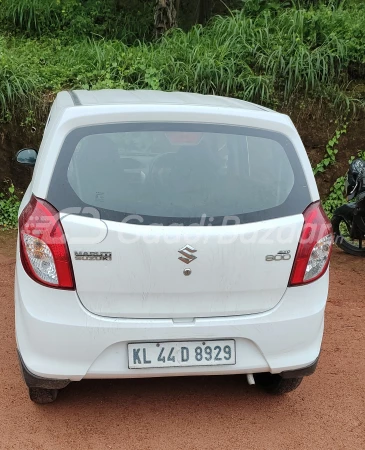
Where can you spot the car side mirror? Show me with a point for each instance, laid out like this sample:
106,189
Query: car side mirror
27,156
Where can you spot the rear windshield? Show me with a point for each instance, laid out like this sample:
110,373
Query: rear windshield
179,173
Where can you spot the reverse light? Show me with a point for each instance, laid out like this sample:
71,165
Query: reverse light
43,247
315,247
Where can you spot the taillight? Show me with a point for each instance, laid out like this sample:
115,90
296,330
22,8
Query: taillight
43,247
315,246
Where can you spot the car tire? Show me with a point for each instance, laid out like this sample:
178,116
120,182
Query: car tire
42,396
276,384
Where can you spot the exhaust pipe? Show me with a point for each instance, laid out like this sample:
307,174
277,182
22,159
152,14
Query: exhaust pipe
250,379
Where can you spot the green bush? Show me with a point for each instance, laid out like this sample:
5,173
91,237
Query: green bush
345,24
33,16
337,196
9,206
16,81
74,18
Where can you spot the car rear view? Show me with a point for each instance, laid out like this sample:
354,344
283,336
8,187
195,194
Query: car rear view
169,234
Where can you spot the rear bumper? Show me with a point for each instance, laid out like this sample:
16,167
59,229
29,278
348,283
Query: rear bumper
303,372
59,339
34,381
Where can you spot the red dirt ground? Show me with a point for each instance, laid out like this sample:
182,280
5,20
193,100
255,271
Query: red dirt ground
326,412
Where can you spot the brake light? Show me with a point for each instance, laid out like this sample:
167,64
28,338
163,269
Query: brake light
315,247
184,137
43,247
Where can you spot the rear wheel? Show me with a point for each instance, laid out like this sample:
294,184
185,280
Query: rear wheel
276,384
42,396
342,231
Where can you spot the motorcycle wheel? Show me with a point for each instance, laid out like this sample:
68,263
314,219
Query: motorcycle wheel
341,229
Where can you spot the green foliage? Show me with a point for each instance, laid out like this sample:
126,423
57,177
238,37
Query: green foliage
74,18
253,8
331,151
337,197
346,23
32,15
9,206
267,56
16,83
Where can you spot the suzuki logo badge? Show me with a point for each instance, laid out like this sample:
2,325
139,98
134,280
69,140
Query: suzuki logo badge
187,254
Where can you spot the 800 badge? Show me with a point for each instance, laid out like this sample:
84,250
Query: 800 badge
283,255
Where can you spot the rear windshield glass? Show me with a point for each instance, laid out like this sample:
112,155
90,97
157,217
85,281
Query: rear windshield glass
179,173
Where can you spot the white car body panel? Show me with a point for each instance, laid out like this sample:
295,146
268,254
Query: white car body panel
145,278
142,295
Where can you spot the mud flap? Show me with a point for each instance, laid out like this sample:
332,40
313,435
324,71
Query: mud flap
33,381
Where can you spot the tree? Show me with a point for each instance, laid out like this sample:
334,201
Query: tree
165,15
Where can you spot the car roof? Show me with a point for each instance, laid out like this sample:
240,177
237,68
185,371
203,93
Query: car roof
147,97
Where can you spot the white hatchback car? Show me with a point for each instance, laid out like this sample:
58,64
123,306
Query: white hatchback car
169,234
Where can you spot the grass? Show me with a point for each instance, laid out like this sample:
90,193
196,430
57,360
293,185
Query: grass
268,57
32,15
16,83
71,19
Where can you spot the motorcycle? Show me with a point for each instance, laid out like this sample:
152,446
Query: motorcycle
348,220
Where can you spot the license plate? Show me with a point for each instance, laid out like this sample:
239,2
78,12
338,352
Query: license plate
179,354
